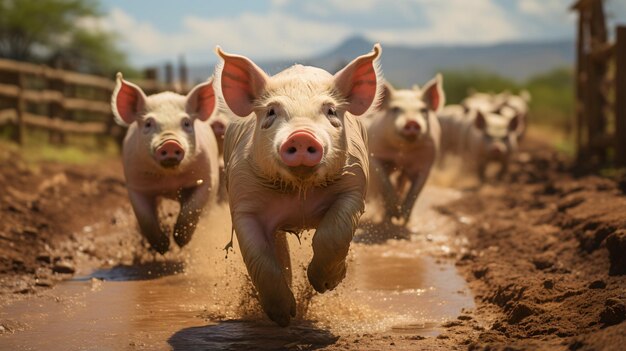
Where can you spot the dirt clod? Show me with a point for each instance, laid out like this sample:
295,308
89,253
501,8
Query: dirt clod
614,312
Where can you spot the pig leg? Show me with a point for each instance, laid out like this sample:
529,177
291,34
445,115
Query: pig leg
409,201
332,241
192,202
504,168
282,254
390,199
145,208
265,269
481,169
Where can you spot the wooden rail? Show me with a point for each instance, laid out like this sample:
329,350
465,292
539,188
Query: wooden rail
600,94
62,102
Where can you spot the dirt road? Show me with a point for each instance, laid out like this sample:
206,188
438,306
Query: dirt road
532,254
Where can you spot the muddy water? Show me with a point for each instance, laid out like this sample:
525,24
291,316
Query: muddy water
197,299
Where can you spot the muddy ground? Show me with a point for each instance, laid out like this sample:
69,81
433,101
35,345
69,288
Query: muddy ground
545,254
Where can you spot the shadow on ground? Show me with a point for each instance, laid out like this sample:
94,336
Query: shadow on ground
252,335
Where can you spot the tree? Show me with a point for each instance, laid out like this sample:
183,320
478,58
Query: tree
49,31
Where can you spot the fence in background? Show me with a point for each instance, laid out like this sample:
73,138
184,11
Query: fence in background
600,87
64,102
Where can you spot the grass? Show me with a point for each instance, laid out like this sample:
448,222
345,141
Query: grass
78,150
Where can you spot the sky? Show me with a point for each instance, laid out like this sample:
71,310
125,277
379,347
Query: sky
157,31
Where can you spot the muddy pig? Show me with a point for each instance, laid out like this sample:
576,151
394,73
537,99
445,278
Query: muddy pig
219,123
169,151
404,141
299,162
493,138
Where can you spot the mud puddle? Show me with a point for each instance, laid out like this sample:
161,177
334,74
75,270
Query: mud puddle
203,301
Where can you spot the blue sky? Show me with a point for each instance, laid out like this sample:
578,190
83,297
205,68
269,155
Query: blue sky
159,30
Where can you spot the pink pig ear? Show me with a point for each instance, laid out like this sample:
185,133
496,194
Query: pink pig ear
127,101
480,122
240,81
201,100
513,123
359,82
385,95
433,94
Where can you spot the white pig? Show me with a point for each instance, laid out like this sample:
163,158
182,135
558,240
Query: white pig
512,105
479,138
169,151
299,162
219,122
404,140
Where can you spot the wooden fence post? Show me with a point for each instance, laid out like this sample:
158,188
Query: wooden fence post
20,109
169,75
183,75
620,97
56,111
581,147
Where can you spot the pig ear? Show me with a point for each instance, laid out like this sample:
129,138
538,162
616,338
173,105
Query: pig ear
480,122
201,100
359,82
240,82
127,101
513,123
433,94
386,93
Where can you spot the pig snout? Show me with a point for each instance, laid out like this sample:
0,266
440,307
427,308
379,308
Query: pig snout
170,153
218,129
411,128
497,150
301,148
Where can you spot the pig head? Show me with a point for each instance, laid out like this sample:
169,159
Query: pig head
297,161
169,151
493,138
404,140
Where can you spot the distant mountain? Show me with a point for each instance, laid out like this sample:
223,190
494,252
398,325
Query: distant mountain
405,66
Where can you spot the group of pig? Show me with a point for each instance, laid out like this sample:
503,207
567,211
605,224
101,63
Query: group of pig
484,129
295,151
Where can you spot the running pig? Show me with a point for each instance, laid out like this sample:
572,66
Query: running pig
299,162
169,151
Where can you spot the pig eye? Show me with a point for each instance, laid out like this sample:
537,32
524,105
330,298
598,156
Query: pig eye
332,112
424,112
148,125
396,110
269,118
187,126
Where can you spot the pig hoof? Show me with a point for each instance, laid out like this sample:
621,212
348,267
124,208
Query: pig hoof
279,311
182,238
326,278
160,245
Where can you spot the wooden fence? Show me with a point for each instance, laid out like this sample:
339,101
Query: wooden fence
63,102
600,87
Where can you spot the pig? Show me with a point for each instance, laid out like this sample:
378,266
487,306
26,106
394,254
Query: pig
403,142
515,105
493,138
219,123
479,138
169,152
298,162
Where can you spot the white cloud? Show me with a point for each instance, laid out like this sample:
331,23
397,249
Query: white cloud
454,21
291,29
260,36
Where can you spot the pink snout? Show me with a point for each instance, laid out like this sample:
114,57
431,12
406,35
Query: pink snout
301,149
170,153
497,150
411,128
